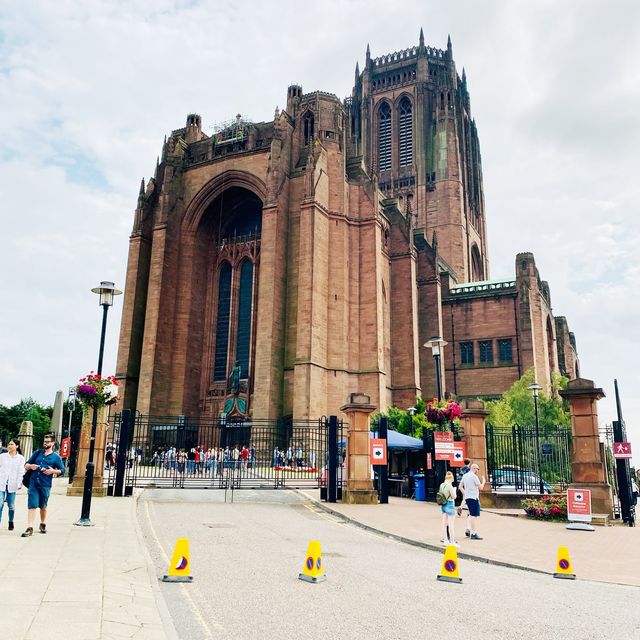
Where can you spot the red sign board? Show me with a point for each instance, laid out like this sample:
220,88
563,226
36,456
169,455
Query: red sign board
65,447
378,451
429,461
579,505
621,449
444,445
459,454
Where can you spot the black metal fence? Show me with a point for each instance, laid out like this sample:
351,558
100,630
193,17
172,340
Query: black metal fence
524,460
180,451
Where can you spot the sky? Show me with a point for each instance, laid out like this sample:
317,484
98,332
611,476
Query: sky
89,89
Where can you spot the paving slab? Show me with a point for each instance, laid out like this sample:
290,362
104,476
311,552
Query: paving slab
80,583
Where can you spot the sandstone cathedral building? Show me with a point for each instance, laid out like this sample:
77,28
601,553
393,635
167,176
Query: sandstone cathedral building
276,267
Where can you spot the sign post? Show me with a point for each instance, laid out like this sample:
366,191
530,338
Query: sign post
579,509
383,475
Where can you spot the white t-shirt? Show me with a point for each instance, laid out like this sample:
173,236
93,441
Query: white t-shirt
470,484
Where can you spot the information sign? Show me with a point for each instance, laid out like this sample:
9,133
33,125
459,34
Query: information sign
579,505
443,441
378,451
622,450
65,447
459,454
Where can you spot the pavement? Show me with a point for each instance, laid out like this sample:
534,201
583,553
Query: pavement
80,583
608,554
83,583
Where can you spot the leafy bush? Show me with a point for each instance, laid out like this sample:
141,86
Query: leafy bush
550,507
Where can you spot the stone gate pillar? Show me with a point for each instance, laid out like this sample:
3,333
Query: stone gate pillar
26,438
77,487
587,456
472,425
359,488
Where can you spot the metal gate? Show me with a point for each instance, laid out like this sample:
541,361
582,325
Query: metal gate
185,452
527,460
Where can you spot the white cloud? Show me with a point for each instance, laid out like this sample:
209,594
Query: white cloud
89,90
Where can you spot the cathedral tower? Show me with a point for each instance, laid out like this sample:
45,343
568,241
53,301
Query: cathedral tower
411,123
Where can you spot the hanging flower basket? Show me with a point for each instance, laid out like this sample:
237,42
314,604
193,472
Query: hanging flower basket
443,415
95,391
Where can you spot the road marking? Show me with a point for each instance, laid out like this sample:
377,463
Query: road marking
183,587
323,514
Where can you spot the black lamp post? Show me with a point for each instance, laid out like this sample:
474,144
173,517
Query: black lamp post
436,343
535,389
106,291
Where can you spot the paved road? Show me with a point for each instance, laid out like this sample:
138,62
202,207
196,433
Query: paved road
246,557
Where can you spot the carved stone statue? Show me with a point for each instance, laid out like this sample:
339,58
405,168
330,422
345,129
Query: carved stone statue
234,379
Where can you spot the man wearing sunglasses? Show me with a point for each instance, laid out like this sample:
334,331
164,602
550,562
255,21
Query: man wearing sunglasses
44,464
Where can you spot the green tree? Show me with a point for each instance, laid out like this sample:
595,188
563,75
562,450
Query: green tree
26,409
516,405
401,421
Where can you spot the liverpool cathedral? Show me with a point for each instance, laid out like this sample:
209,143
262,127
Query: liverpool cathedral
276,267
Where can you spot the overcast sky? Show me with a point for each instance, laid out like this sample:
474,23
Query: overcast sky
89,89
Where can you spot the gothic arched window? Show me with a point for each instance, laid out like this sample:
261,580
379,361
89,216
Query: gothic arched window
222,323
245,299
477,271
308,124
384,137
405,133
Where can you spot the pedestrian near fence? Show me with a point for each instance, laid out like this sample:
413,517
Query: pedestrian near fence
11,473
470,485
44,464
448,510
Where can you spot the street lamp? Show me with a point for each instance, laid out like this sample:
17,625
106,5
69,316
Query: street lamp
535,389
436,343
107,292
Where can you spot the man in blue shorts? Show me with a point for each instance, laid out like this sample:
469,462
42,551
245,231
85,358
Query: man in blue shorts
44,464
470,485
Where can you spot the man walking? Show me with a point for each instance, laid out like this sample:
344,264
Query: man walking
44,464
470,485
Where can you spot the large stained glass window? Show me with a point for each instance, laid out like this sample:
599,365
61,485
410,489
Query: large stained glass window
222,323
244,317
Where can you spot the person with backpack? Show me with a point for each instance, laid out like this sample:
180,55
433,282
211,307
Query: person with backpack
446,497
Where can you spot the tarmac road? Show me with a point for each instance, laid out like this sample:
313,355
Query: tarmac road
246,558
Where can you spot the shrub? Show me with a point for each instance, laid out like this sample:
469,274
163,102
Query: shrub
551,507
